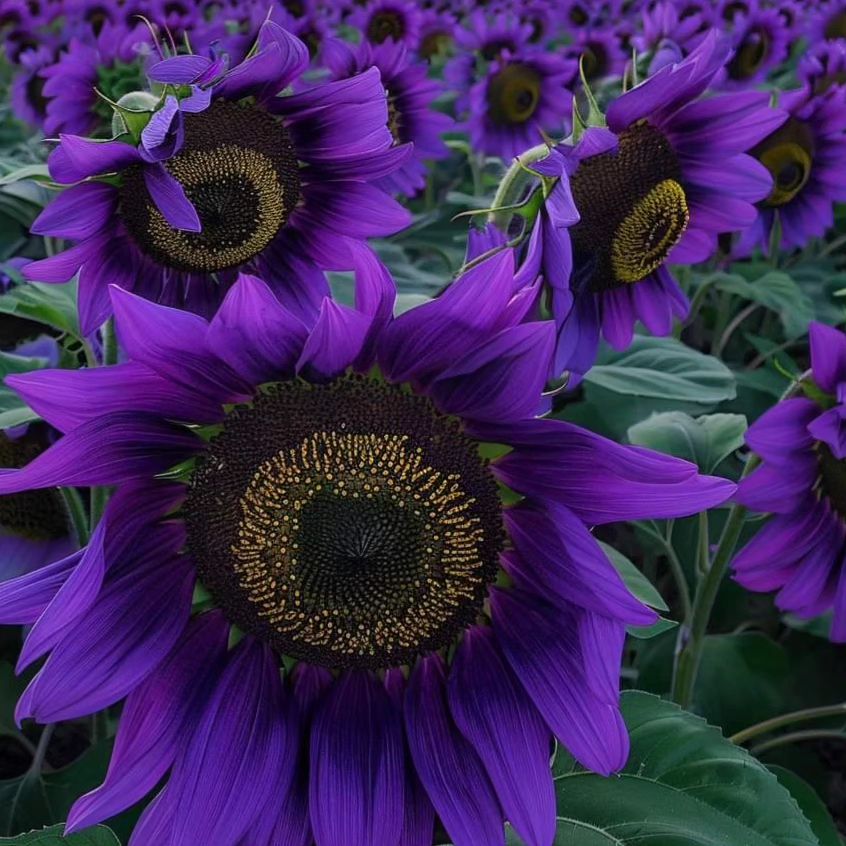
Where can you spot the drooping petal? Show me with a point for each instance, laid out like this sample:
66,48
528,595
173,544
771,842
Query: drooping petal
828,356
170,199
230,765
543,648
155,719
356,765
447,764
498,718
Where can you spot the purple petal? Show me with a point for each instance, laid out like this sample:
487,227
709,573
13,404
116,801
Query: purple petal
77,158
335,342
356,765
782,431
828,356
498,718
155,718
232,760
78,212
543,648
170,199
447,764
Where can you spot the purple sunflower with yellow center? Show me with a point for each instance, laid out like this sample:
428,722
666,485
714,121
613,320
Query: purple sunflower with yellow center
379,638
657,186
224,176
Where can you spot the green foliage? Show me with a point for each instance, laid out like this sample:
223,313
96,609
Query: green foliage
97,836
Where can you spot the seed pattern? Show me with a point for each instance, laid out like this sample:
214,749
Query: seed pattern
349,524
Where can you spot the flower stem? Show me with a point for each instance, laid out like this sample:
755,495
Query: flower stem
513,185
691,642
41,750
802,716
76,511
796,737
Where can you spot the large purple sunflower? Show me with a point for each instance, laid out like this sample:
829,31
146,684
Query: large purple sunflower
337,488
411,94
230,177
659,185
761,41
801,551
806,156
828,22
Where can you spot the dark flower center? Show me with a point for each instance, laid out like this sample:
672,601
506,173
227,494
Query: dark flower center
37,515
394,119
788,154
239,169
434,43
633,208
836,26
294,7
513,94
750,56
828,80
832,480
578,15
348,524
492,49
385,25
732,10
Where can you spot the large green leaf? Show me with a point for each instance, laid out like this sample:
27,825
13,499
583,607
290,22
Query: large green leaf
812,806
97,836
665,369
684,785
705,441
13,410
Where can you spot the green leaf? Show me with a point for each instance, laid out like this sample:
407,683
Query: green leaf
34,800
52,305
38,172
97,836
635,581
776,291
13,410
812,806
705,441
648,632
684,785
665,369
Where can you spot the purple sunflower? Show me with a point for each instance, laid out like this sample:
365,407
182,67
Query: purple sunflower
519,97
658,186
801,550
600,52
806,156
823,66
411,116
337,489
229,178
112,66
760,42
828,22
389,20
27,93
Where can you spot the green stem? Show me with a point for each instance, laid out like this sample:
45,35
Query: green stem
41,750
704,551
76,512
676,568
802,716
110,347
99,500
796,737
514,184
692,636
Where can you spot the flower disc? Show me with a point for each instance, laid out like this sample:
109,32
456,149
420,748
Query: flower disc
513,94
238,168
788,154
633,208
347,524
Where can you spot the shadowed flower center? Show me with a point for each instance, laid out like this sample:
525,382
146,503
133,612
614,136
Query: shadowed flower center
836,26
633,208
434,43
750,56
788,155
832,480
347,524
492,49
37,514
732,10
384,25
239,169
513,94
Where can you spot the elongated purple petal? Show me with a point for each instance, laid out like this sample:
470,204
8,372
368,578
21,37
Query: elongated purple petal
77,158
155,719
231,764
498,718
447,764
170,199
335,342
543,648
356,765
